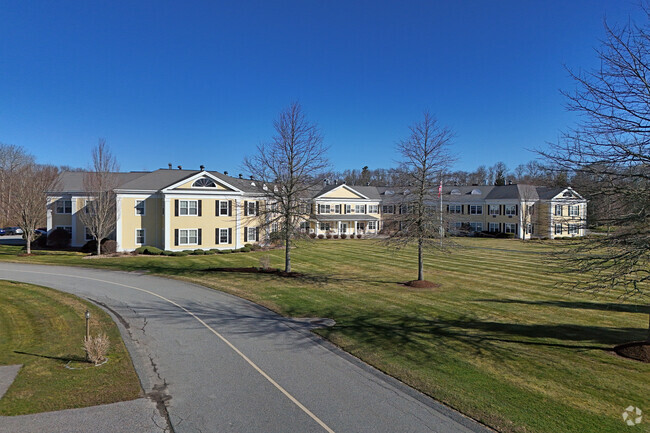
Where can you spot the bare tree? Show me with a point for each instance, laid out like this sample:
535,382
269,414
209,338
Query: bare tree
28,204
99,213
290,165
611,147
425,156
12,161
528,198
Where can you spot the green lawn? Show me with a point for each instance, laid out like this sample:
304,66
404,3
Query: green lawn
496,340
43,329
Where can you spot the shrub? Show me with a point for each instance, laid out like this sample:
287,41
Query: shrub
148,250
188,251
97,348
179,254
58,238
359,236
198,253
328,236
225,251
336,236
312,235
344,236
248,246
40,241
108,246
245,250
215,250
167,253
321,236
208,252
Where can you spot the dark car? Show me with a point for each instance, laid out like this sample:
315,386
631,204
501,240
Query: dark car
13,231
3,232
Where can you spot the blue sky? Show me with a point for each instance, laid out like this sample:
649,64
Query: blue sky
200,82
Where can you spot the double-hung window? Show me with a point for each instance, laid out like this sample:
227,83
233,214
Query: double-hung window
493,227
511,210
223,236
574,210
188,207
325,226
188,237
348,208
388,208
558,229
360,208
373,208
139,236
558,210
337,208
509,228
455,208
252,208
476,227
88,235
139,207
493,209
304,226
573,229
475,209
64,206
223,207
252,233
372,225
324,208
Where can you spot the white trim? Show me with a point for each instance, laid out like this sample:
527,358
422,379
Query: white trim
167,223
238,234
144,235
144,207
73,222
118,222
188,236
198,175
339,187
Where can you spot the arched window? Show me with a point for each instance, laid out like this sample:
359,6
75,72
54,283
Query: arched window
477,192
204,183
455,192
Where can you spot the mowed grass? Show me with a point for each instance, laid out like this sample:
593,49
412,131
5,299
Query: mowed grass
43,330
497,340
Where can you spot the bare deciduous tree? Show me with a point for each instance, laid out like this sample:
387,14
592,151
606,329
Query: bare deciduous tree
611,147
12,160
28,204
99,214
290,165
425,155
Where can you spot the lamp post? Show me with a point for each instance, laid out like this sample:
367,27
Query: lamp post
87,331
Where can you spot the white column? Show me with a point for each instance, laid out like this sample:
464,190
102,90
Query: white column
118,222
166,223
73,221
49,214
238,224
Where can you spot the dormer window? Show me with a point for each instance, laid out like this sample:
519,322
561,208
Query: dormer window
204,183
389,192
477,192
455,192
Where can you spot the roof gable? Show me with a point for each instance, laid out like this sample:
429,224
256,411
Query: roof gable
201,181
344,192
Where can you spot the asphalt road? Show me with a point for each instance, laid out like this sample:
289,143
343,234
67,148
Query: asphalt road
217,363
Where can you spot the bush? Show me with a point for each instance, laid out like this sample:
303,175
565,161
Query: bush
198,253
148,250
107,247
40,241
179,254
215,251
344,236
225,251
168,253
321,236
188,251
97,348
312,235
208,252
328,236
245,250
248,246
359,236
336,236
58,238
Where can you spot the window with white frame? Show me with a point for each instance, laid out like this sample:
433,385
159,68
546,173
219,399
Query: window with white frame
139,236
455,208
87,235
493,227
324,208
337,208
188,236
529,228
139,207
64,206
372,225
304,208
360,208
252,233
558,229
574,210
188,207
223,236
373,208
476,227
558,210
89,206
510,228
348,208
223,207
493,209
475,209
510,210
325,226
573,229
252,208
304,226
388,208
275,227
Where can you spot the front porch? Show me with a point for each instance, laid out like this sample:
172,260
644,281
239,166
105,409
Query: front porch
345,224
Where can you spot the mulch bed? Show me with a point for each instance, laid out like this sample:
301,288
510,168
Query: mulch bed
637,350
421,284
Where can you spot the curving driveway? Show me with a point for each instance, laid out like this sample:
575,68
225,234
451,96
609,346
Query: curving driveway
217,363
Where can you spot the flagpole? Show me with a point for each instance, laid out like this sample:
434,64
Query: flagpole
440,195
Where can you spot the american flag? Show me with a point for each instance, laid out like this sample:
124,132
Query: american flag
440,189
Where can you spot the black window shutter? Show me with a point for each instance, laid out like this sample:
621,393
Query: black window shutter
462,209
245,208
245,234
216,236
229,207
175,207
257,208
257,234
230,236
217,208
200,230
447,208
176,236
516,209
200,201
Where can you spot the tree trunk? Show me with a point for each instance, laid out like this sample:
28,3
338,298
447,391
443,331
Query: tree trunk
29,244
287,254
99,247
420,262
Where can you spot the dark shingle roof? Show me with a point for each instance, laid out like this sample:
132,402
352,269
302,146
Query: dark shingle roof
73,181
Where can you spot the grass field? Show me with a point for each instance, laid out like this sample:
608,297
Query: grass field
44,330
497,340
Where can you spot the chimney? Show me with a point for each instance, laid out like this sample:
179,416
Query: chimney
202,167
170,165
336,181
251,176
324,182
225,172
180,167
241,176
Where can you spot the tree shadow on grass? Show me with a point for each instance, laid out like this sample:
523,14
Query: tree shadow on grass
599,306
64,358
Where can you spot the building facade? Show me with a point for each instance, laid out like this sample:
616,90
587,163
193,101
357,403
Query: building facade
189,209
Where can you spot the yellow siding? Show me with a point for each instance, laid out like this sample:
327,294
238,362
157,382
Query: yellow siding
151,222
341,193
208,222
188,185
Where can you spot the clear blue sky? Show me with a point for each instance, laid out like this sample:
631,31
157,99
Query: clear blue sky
200,82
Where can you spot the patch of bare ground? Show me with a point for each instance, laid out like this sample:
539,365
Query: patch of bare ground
637,350
421,284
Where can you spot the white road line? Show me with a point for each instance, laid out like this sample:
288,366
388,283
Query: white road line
224,339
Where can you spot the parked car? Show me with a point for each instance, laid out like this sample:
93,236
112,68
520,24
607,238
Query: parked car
41,232
13,231
3,232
